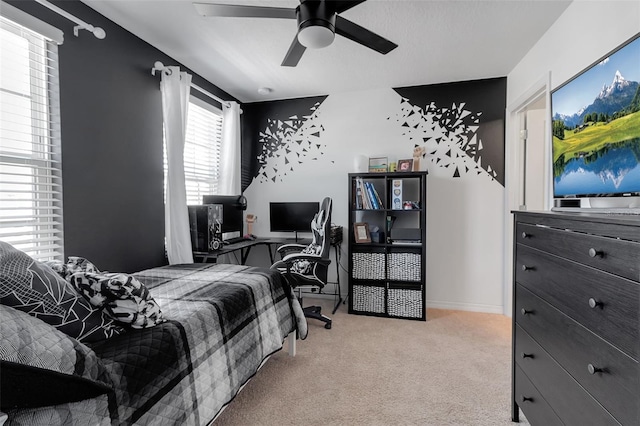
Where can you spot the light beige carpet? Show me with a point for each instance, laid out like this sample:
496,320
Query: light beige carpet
453,369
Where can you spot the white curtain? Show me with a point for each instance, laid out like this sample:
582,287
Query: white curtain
175,86
229,183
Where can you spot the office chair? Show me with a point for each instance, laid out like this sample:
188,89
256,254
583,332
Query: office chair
307,266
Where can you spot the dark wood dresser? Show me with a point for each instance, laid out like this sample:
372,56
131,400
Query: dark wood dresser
576,304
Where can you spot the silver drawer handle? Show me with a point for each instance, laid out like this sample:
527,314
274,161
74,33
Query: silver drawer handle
593,252
593,370
593,303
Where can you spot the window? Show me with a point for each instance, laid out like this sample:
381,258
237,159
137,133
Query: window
30,163
201,151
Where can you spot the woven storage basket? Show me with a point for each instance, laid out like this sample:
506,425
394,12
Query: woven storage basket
368,298
368,266
404,266
405,303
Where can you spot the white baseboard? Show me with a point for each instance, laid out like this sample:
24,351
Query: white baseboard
471,307
454,306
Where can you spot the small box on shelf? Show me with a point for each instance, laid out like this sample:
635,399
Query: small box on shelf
377,237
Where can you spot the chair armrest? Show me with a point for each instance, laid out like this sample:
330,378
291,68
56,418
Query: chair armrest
314,258
287,249
279,264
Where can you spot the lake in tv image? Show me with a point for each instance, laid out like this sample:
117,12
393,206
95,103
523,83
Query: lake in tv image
596,127
612,170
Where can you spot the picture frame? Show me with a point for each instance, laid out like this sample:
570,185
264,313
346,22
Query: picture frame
361,232
405,165
378,164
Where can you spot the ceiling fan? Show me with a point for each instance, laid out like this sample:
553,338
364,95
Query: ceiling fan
318,22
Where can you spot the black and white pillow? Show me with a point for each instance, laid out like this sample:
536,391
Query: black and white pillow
74,264
33,287
123,297
42,366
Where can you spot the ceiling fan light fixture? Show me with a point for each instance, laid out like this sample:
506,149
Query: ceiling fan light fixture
315,36
318,21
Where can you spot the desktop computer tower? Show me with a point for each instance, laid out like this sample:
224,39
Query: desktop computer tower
205,227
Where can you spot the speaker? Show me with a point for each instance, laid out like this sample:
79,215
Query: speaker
566,202
205,227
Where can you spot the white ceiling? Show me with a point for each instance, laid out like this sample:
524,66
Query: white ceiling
439,41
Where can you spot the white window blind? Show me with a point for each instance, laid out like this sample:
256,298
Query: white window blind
30,161
201,150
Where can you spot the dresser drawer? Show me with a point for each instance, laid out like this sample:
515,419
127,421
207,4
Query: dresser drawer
608,254
533,405
566,397
606,304
575,348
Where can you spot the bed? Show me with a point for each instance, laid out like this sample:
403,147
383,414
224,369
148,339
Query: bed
222,323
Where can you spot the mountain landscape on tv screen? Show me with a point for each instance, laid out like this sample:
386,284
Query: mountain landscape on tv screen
596,150
619,96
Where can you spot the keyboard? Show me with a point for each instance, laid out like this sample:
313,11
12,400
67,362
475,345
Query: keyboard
600,210
236,240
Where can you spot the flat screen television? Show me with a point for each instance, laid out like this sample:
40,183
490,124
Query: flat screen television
232,208
596,132
292,216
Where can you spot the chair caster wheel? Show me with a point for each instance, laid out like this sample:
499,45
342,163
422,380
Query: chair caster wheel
328,326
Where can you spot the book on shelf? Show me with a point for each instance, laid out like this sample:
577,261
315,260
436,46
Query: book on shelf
377,197
362,192
366,196
366,202
372,198
358,200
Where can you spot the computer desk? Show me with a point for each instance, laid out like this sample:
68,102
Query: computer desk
244,247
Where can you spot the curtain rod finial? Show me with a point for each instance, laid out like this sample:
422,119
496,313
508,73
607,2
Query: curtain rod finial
99,33
157,66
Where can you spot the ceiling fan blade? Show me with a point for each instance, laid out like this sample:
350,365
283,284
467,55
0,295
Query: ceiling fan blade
294,53
342,5
363,36
238,11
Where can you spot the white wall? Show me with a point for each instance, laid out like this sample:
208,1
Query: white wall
585,32
469,255
464,215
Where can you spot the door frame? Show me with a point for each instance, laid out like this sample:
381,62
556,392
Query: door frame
514,179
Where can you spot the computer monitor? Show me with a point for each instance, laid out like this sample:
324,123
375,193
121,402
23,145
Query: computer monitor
232,208
292,216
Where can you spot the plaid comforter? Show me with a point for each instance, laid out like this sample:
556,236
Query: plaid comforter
223,322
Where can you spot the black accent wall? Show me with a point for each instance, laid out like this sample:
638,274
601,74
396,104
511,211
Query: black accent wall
256,117
488,97
111,115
